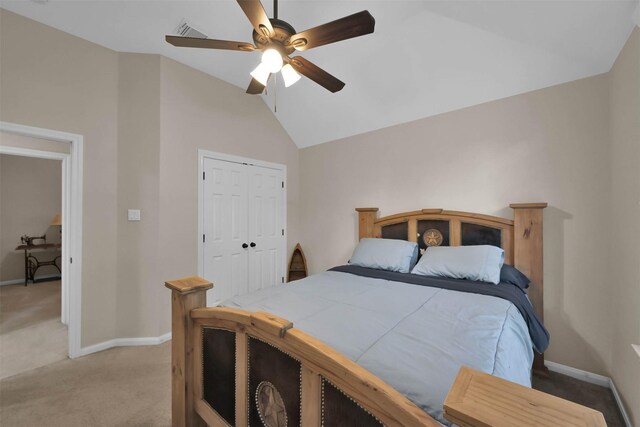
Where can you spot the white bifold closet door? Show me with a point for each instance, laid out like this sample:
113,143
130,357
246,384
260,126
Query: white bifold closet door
243,226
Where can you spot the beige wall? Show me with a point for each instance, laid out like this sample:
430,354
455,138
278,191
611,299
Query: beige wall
138,286
30,197
168,111
53,80
625,217
200,112
549,145
143,119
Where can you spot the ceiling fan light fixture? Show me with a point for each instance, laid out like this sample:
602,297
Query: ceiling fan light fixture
277,39
289,75
272,59
261,73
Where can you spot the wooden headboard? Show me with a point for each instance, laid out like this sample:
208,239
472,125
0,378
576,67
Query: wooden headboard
520,237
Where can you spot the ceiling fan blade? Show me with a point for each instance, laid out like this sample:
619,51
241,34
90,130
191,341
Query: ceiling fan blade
351,26
209,43
255,87
257,16
316,74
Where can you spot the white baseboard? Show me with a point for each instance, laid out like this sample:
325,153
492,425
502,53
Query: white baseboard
123,342
579,374
591,378
21,281
616,396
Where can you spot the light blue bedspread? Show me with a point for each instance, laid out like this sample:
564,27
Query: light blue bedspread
415,338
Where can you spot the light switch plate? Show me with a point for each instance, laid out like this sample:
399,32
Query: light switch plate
133,214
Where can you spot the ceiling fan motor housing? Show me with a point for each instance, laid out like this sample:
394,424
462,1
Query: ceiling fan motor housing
282,33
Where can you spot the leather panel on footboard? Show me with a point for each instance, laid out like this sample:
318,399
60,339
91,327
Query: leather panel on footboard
274,386
338,409
218,371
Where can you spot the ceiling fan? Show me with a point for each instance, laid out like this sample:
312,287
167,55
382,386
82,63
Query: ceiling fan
277,40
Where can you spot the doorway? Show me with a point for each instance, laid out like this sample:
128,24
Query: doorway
32,333
66,148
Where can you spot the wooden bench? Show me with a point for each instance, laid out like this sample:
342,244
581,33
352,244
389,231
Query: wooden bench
478,399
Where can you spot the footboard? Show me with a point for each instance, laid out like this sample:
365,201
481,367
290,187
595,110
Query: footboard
240,368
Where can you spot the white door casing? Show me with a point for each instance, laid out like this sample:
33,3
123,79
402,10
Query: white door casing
241,202
72,218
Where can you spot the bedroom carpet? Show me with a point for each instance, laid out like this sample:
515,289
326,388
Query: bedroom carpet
125,386
130,386
591,395
31,334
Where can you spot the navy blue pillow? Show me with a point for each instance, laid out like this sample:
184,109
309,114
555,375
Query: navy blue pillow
510,274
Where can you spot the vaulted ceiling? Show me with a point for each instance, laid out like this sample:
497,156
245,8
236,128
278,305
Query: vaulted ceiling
425,57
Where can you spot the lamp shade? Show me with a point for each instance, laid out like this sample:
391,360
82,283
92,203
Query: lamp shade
261,74
272,59
57,220
289,75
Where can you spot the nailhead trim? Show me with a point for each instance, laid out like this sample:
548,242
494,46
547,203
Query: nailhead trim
322,382
248,379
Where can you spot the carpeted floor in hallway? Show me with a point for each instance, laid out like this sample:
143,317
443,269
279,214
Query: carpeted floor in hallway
31,334
125,386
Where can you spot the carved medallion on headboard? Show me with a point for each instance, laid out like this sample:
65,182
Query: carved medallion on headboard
432,237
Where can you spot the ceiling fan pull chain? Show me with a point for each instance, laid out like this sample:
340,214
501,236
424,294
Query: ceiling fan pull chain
275,93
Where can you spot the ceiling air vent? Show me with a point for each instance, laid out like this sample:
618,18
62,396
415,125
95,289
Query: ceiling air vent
186,30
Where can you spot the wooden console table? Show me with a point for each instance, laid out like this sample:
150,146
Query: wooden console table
478,399
32,264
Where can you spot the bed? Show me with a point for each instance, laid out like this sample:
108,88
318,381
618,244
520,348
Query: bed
368,347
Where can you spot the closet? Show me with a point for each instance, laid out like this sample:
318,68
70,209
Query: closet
243,227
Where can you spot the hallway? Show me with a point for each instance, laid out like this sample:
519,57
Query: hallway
31,334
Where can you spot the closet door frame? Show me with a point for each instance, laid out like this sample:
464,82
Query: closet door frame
206,154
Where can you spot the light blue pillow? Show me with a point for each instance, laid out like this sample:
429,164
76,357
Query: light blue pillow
481,263
385,254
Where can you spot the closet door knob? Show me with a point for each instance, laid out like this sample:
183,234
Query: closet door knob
253,244
245,246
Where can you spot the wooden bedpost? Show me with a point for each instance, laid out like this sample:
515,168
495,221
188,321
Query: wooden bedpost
366,218
527,232
186,294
